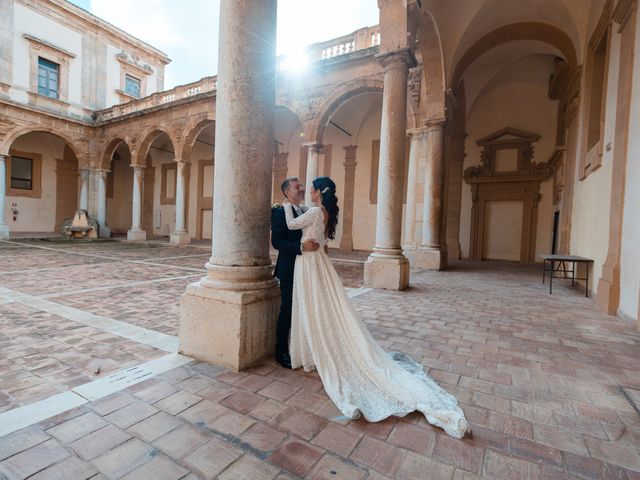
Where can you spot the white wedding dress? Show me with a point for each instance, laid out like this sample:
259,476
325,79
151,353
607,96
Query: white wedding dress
358,375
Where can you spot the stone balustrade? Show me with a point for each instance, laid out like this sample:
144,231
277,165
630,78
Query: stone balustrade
206,84
361,39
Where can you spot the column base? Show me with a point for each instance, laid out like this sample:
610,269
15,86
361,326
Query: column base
4,231
431,258
389,273
608,296
180,238
136,235
104,231
233,329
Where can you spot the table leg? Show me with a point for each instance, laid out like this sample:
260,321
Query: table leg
544,268
586,287
551,279
573,274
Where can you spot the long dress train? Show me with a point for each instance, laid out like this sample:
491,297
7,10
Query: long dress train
328,336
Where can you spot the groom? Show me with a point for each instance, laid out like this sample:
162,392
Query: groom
287,242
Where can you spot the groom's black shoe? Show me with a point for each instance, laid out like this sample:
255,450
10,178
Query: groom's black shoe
284,359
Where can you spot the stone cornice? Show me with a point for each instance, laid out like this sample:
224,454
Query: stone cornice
622,12
44,43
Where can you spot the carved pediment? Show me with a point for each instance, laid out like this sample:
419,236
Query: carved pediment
507,155
508,136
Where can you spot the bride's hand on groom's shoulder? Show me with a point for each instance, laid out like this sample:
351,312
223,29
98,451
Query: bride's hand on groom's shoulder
286,203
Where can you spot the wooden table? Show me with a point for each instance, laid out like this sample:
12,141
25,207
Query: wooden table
562,260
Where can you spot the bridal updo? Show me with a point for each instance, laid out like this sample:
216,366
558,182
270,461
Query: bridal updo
329,201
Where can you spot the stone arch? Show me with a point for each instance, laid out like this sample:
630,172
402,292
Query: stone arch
19,132
433,66
517,31
193,130
139,157
104,160
339,98
293,107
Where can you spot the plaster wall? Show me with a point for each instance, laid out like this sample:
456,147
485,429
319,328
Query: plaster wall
119,207
37,214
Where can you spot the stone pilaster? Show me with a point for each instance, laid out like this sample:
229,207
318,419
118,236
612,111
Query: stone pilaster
608,295
180,236
313,160
346,241
455,164
387,267
136,232
417,148
229,317
432,253
84,189
4,229
105,231
279,174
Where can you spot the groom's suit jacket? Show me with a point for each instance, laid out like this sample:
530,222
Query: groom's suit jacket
287,242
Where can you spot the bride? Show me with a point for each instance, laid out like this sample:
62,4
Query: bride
327,335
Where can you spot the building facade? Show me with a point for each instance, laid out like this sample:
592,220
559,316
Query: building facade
483,130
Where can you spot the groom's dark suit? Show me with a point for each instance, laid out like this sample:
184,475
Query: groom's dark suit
287,242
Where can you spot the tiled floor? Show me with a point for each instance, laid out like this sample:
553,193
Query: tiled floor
539,376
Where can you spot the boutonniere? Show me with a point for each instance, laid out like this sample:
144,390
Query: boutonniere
275,205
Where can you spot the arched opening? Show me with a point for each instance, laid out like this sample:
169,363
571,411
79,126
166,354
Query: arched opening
350,134
199,153
119,190
289,154
507,77
42,182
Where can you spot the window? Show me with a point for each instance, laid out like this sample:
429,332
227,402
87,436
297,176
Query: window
132,86
21,173
48,78
595,95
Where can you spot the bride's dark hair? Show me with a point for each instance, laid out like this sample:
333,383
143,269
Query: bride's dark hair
329,201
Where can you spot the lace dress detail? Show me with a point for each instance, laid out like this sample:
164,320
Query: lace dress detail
358,375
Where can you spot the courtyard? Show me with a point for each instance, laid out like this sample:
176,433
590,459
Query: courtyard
91,385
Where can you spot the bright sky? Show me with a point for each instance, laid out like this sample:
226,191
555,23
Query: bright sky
187,31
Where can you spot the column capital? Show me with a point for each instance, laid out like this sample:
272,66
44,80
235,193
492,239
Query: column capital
435,123
314,146
3,156
139,167
350,151
401,58
415,133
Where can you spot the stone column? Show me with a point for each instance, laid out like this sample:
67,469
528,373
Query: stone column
279,174
136,232
432,253
180,236
4,229
313,160
387,267
105,231
416,149
229,317
608,295
346,242
84,189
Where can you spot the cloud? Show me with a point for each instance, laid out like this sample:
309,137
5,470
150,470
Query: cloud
187,31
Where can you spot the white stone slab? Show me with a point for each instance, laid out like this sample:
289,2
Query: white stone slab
161,341
21,417
354,292
125,378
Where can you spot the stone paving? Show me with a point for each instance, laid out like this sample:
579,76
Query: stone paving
546,381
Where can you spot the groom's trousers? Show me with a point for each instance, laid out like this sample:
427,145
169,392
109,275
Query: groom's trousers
284,318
